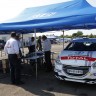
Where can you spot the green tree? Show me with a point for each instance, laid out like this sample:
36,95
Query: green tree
91,36
79,34
74,35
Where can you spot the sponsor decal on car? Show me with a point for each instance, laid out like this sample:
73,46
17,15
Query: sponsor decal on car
78,58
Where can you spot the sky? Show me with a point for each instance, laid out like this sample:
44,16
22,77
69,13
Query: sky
12,8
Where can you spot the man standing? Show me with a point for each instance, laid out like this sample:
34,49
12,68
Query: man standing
39,44
32,45
47,52
19,43
12,49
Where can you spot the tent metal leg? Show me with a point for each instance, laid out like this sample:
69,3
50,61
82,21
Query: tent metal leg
63,39
35,55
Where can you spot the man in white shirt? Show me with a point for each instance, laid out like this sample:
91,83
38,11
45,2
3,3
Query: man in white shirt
47,52
12,49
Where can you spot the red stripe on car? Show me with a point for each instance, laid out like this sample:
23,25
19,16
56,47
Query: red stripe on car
78,58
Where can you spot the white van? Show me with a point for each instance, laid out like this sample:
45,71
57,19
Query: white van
77,62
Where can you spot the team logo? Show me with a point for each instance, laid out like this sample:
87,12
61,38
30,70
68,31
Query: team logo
42,15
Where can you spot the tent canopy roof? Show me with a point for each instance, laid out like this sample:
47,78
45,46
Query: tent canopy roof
75,14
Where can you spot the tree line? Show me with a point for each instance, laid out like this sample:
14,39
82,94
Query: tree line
78,34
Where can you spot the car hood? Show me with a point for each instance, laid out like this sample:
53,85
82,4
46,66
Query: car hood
78,58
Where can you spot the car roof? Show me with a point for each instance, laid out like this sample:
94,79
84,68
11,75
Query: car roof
84,40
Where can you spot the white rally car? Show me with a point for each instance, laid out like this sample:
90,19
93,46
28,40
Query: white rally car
77,62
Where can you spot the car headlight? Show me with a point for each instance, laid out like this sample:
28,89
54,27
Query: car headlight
58,60
94,65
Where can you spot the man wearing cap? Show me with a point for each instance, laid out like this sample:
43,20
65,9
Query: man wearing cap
12,49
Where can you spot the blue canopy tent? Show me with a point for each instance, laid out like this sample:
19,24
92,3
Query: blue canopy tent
75,14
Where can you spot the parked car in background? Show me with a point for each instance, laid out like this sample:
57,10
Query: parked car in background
77,62
52,38
65,40
2,43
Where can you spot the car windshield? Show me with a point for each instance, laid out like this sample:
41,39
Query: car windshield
81,46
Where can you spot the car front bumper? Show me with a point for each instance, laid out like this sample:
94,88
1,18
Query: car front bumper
88,81
89,77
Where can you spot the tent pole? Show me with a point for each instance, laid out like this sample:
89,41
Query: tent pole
22,45
35,52
63,39
35,39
